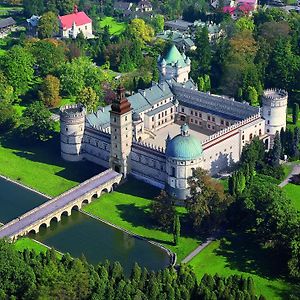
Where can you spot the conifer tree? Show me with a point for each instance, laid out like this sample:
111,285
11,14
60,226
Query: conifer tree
176,229
295,113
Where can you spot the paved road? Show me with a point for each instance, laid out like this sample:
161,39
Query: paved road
198,250
57,203
295,171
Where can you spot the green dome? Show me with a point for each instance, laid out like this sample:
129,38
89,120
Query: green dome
184,146
174,56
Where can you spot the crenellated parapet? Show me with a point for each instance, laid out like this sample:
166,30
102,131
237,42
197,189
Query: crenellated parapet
275,97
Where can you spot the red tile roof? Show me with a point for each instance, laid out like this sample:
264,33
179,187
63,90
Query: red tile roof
80,18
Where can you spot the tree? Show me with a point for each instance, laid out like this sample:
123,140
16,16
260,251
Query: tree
295,113
48,25
65,6
17,65
176,229
6,90
33,7
162,210
141,31
88,98
252,96
202,63
49,55
245,23
36,122
275,151
8,116
158,23
49,92
200,83
207,202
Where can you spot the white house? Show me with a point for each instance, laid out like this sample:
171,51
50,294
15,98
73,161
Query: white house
71,25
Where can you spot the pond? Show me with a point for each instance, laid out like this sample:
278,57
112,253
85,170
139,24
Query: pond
80,234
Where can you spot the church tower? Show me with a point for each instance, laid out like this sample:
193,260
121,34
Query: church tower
121,133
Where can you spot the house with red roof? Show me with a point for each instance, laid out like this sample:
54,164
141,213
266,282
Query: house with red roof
72,24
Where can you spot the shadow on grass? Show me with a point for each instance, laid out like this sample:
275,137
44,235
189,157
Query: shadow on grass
49,153
140,217
245,255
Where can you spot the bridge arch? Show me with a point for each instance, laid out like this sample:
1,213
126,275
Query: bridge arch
104,191
43,226
85,202
32,231
114,186
75,207
64,213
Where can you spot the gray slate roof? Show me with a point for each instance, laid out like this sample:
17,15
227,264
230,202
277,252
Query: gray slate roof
221,106
7,22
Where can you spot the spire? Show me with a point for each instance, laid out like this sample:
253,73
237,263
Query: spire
185,130
168,139
120,104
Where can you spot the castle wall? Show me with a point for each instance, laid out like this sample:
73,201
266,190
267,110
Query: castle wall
148,163
224,148
96,147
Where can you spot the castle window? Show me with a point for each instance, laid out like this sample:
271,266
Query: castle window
259,132
269,113
67,129
171,110
125,118
208,118
200,115
213,127
171,117
251,136
166,120
115,129
192,120
243,137
222,122
208,125
115,137
182,109
268,130
115,119
192,112
158,123
196,114
165,113
152,119
227,123
116,146
268,122
196,122
173,172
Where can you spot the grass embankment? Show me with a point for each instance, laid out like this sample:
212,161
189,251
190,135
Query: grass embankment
27,243
293,193
239,254
41,167
115,28
128,207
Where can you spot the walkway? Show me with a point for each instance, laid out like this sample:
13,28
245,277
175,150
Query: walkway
198,250
295,171
18,226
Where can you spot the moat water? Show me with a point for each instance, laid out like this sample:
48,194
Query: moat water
80,234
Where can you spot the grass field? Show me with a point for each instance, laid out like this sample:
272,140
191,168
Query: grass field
115,28
293,192
128,207
40,166
9,10
240,255
27,243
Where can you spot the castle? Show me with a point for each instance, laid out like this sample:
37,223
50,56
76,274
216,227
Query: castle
161,134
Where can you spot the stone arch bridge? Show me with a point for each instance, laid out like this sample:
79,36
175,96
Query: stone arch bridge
55,208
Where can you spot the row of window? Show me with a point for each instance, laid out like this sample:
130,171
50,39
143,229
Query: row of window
251,135
209,118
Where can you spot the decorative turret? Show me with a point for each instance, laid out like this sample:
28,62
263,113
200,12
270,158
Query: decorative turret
274,107
72,122
121,133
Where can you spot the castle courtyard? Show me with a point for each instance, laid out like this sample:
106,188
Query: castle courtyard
174,129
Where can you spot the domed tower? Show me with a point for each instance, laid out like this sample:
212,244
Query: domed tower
274,107
174,66
72,121
184,155
138,127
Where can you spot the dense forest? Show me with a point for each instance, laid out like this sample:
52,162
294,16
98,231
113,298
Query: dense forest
28,275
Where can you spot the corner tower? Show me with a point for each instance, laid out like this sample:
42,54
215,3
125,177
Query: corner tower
121,133
174,66
274,108
72,122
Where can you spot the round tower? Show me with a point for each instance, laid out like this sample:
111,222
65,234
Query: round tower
184,155
72,121
274,108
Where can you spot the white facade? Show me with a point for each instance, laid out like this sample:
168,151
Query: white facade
86,30
274,110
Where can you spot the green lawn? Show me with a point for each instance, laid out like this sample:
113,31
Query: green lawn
128,207
293,192
27,243
40,166
240,255
6,10
115,28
